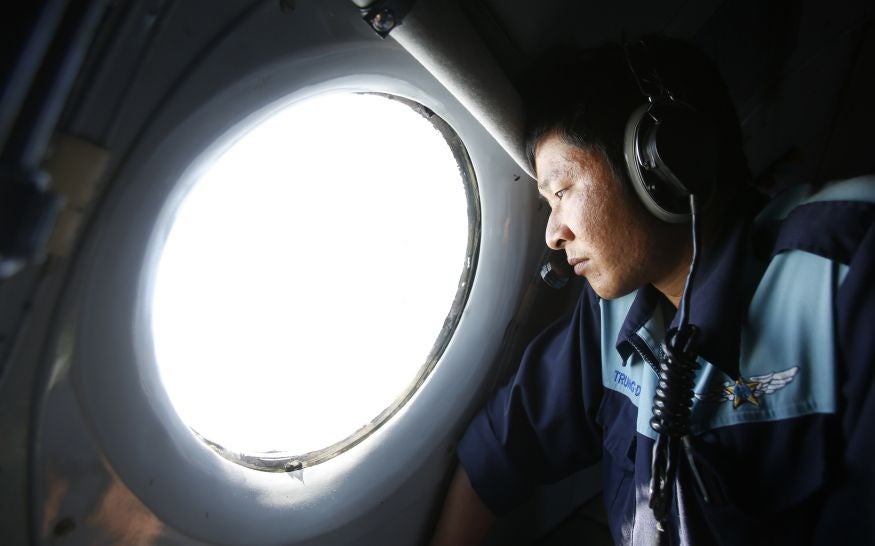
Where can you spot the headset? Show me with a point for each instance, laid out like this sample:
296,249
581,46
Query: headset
671,148
671,152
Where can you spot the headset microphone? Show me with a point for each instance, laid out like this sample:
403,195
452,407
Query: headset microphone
555,270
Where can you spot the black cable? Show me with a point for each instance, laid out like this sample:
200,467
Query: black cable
673,401
694,263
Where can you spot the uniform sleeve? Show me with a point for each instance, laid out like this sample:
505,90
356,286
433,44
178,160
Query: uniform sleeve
540,427
848,516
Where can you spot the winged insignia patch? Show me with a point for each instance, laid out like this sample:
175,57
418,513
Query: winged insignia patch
751,389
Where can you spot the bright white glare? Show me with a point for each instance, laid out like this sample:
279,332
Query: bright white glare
308,273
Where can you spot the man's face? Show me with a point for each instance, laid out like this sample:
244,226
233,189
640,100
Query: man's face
608,237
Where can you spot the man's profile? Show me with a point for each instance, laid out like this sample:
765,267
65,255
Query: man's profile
776,446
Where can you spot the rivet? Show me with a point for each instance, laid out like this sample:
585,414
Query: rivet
383,21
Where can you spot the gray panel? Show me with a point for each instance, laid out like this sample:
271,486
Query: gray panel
108,447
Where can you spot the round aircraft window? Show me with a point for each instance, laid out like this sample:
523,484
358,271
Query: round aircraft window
311,276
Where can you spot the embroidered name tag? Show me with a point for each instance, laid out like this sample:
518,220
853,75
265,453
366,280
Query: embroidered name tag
629,384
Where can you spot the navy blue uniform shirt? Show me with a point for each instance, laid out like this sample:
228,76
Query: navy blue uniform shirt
784,413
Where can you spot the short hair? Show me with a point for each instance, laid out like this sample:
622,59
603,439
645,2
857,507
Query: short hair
586,96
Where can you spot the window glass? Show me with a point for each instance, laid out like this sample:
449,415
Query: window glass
308,273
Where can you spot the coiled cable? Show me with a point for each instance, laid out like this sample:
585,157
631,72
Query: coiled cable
673,401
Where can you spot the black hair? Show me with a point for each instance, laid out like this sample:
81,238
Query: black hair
586,96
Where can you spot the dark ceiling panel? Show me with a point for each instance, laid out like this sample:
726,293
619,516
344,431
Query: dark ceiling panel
787,64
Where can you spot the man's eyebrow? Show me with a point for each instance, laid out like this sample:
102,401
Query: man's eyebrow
545,181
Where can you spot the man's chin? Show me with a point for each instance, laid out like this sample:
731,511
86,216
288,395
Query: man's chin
607,291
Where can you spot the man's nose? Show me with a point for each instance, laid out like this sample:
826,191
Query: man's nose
557,233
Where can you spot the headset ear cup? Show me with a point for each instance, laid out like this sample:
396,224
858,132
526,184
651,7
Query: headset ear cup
683,150
654,193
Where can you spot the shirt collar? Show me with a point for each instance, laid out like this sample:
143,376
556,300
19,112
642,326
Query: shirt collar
724,285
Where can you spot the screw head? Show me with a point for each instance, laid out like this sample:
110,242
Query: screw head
383,21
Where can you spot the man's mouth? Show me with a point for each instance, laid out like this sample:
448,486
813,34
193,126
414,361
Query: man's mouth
578,264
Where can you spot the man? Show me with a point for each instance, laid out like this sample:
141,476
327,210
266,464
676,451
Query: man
781,431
